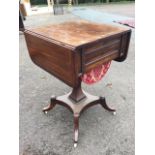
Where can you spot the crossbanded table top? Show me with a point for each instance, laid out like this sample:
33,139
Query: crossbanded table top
77,33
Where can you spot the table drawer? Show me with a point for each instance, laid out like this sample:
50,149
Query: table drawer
101,52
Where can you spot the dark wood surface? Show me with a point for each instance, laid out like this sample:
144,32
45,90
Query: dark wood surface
71,49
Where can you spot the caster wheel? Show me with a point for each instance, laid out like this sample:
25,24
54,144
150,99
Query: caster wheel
75,145
114,113
45,112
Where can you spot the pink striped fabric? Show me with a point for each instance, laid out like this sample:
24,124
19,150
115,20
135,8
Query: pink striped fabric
130,23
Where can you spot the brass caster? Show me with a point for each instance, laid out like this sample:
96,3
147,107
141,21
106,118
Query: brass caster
75,145
114,113
45,112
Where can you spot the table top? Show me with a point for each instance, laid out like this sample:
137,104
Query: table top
77,33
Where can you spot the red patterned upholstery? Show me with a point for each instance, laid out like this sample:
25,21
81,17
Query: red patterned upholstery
96,74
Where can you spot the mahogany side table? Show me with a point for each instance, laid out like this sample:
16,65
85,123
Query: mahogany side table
70,49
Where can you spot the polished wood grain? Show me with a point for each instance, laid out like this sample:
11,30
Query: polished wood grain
77,33
55,59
